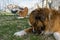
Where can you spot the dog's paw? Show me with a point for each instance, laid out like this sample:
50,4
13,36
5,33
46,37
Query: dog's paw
20,33
57,35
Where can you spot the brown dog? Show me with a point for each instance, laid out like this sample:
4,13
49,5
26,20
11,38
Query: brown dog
23,13
43,20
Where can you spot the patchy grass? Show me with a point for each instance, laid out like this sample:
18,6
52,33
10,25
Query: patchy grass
10,24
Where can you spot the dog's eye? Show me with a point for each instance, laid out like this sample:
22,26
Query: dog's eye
37,17
42,17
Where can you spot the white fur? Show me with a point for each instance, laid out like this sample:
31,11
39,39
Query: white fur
29,23
20,33
57,35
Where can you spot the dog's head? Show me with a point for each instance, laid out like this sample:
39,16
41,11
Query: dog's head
38,18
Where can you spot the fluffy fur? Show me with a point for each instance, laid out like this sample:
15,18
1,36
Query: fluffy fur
44,20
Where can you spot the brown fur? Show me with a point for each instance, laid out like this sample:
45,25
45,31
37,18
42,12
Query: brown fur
40,21
24,12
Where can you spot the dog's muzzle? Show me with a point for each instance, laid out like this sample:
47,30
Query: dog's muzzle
39,31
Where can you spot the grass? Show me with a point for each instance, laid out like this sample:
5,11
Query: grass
10,24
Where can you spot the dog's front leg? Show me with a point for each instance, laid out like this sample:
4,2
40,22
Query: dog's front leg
23,32
57,35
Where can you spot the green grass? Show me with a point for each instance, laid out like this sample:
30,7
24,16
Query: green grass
10,24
